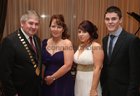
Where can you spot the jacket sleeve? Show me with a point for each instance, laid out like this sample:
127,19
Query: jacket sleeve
134,59
7,63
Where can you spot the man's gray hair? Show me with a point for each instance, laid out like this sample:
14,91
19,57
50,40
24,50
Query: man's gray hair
29,14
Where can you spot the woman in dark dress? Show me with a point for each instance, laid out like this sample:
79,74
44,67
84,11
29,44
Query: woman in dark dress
57,53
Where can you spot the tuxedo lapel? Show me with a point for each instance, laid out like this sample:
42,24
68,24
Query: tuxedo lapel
36,44
38,48
25,42
35,60
118,45
105,45
29,45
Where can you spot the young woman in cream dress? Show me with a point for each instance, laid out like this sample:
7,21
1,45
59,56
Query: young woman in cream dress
89,60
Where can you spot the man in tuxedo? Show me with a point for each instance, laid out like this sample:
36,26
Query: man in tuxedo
21,58
120,75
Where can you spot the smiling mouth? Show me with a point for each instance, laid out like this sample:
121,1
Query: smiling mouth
111,26
55,33
81,38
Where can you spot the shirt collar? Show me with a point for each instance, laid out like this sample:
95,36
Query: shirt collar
117,32
26,36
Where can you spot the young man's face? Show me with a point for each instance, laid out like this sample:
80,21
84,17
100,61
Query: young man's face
112,21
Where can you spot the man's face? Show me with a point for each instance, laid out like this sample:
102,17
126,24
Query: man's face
112,21
30,27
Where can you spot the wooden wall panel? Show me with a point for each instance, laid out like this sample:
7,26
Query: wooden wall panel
74,12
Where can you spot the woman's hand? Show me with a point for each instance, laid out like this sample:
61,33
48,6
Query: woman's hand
49,80
93,93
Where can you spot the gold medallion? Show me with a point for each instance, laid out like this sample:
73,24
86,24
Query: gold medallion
37,71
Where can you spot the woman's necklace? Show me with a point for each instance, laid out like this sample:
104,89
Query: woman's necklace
85,45
56,46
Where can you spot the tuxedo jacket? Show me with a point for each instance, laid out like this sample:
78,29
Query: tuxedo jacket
120,75
18,64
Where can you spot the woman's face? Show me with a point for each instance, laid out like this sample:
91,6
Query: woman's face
56,30
83,36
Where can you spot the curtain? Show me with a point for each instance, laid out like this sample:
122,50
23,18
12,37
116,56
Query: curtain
3,11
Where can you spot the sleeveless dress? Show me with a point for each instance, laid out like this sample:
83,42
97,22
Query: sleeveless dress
83,80
63,86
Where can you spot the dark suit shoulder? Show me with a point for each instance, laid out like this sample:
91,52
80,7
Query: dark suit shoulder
37,37
12,36
105,39
129,35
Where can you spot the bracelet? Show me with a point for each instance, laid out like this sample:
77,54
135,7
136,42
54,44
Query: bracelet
53,78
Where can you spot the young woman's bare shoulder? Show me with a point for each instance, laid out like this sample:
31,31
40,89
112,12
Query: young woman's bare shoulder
96,45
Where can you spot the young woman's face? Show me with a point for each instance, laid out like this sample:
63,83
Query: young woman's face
56,30
83,36
112,21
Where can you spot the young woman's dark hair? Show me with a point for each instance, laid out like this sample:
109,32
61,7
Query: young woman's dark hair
88,26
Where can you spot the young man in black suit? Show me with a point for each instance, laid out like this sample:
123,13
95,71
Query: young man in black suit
21,58
120,75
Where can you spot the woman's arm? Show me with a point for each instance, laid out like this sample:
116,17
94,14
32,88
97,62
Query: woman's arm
98,56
